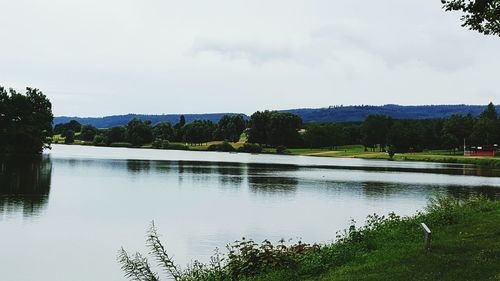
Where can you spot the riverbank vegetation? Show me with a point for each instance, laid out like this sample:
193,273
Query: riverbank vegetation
436,140
464,246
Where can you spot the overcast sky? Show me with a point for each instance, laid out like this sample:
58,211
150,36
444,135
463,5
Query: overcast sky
102,57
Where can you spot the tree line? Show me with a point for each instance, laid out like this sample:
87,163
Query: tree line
282,129
138,132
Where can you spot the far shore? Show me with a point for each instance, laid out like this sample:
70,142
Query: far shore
353,151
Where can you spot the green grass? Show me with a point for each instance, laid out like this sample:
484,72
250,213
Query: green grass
465,246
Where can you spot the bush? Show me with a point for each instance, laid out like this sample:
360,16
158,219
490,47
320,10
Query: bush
250,148
282,150
69,136
98,140
157,143
121,144
174,146
225,147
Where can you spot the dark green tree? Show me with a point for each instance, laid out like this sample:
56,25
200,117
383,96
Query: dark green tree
230,128
257,132
72,125
88,132
139,132
199,131
490,112
69,136
25,121
115,134
163,131
323,135
457,127
178,131
485,130
479,15
374,130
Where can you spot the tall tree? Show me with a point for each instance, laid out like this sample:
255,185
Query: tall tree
230,128
88,132
25,121
490,112
375,129
139,132
163,131
458,127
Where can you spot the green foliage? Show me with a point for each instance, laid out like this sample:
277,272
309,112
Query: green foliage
69,136
163,131
98,140
230,128
375,129
115,134
199,131
157,143
280,149
175,146
139,132
224,147
88,132
391,151
275,128
25,121
479,15
72,125
324,135
250,148
121,144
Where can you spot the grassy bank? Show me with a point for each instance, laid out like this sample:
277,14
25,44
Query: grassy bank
465,246
345,151
357,151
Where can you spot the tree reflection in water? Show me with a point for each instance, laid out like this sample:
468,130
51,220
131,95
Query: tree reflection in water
24,185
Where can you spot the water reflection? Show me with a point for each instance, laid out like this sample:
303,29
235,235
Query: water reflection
269,179
24,185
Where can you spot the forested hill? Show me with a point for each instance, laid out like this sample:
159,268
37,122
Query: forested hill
359,113
329,114
119,120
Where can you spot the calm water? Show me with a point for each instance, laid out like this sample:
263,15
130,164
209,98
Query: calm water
65,215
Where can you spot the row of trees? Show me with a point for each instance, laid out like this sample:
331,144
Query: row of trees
417,135
272,128
138,132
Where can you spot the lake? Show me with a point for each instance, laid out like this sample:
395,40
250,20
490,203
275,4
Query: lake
65,215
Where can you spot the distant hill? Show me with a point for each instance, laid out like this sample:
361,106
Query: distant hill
119,120
329,114
359,113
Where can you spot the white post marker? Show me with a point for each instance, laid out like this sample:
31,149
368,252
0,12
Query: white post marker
427,236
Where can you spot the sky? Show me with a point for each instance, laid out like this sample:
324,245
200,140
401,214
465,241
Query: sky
105,57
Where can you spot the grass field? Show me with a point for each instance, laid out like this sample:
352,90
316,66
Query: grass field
357,151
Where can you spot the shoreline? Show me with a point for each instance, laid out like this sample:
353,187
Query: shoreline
430,157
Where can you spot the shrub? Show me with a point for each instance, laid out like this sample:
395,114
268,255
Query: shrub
69,136
157,143
250,148
282,150
175,146
121,144
224,146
